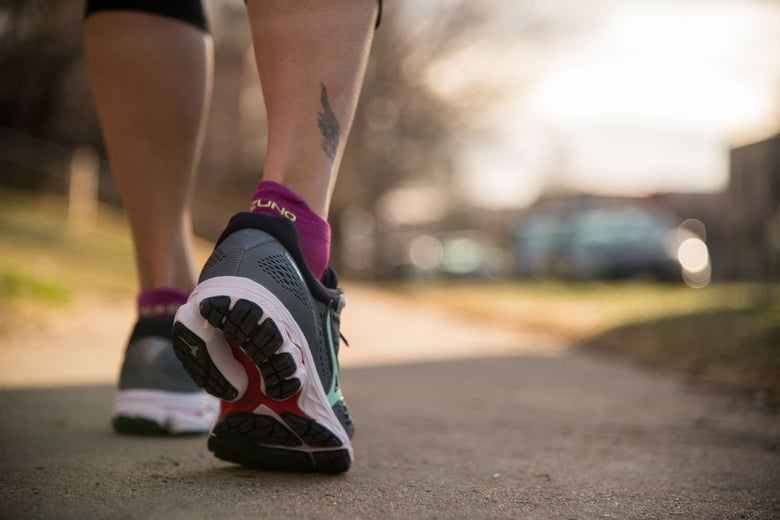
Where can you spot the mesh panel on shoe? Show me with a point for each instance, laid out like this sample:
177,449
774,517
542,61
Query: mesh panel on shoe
217,256
279,268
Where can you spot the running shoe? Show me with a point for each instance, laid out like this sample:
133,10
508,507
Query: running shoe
156,396
262,333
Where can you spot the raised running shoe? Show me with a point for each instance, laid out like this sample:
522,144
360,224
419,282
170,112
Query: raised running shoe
155,395
262,333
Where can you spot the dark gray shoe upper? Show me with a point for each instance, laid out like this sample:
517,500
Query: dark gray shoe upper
150,363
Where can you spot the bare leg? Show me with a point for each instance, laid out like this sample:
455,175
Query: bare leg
311,57
152,81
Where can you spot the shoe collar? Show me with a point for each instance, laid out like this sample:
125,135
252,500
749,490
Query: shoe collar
283,230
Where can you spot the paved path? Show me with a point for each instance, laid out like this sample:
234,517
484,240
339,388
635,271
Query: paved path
511,427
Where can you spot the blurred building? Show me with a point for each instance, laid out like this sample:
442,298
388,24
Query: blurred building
753,212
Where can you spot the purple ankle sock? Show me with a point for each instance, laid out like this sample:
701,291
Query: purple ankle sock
271,198
161,303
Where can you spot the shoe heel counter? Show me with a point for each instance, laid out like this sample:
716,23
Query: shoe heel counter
258,256
150,363
229,255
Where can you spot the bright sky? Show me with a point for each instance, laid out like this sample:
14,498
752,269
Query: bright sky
648,96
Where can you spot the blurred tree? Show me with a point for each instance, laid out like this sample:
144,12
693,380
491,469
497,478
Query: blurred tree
39,43
435,71
403,131
46,107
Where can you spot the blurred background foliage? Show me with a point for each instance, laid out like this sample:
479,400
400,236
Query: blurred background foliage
422,191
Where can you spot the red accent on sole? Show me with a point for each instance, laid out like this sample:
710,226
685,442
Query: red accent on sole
254,396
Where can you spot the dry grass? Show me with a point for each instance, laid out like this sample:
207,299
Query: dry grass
45,264
726,334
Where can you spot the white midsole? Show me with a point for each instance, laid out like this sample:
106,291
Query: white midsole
311,399
178,412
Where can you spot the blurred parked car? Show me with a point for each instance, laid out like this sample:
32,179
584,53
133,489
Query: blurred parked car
619,243
614,242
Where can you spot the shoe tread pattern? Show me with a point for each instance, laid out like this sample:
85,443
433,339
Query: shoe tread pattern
259,339
263,442
193,355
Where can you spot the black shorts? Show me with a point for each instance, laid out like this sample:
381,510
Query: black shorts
190,11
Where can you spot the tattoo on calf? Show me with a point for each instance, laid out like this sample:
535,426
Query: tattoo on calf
329,126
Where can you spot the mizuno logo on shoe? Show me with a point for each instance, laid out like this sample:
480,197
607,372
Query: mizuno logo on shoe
193,348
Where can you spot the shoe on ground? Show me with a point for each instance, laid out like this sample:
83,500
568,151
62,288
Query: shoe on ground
156,396
262,334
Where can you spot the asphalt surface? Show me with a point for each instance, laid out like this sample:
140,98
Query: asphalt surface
505,431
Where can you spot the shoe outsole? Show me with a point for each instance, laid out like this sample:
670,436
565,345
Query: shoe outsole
236,439
271,441
260,340
147,427
138,426
191,350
